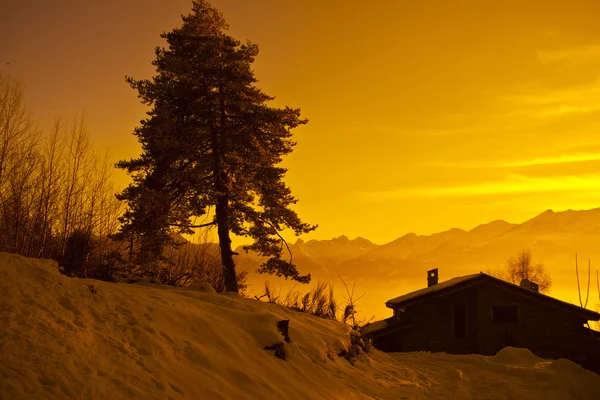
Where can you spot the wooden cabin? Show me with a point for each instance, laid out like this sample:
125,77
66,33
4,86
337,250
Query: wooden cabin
482,314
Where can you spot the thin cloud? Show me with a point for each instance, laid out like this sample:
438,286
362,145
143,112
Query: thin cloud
560,159
515,184
544,102
550,160
575,55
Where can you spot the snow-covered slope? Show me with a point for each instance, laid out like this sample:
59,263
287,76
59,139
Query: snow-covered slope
64,338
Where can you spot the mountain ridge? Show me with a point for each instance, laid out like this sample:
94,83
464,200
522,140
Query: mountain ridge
492,229
553,237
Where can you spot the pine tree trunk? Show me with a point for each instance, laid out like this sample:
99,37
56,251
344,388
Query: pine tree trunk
222,211
222,206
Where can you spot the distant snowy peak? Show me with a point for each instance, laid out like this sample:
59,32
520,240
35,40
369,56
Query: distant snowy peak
362,242
435,239
497,223
323,252
339,246
494,228
569,220
340,240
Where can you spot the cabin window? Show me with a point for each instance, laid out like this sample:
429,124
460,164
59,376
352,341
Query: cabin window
505,313
399,315
459,312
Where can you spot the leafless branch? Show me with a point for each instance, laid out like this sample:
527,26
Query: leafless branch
581,304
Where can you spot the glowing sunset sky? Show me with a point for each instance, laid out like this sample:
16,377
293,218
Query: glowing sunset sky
424,115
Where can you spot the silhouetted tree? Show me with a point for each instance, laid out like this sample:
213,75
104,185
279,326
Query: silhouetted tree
78,249
18,163
211,140
522,267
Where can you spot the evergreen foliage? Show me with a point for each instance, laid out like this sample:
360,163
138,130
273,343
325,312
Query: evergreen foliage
211,140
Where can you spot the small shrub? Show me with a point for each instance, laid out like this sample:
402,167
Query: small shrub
77,250
278,350
357,347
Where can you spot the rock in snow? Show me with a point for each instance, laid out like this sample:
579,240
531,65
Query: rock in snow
67,338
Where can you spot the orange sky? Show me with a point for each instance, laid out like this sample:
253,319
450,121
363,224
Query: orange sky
424,115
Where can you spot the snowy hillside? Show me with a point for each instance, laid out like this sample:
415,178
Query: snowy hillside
64,338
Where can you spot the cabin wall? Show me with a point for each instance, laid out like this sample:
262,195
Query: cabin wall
429,326
538,320
390,342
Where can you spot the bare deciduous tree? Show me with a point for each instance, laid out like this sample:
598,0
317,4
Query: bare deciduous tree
51,186
522,267
587,296
350,311
598,305
18,161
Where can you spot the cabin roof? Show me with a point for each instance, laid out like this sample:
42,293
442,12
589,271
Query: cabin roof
470,280
377,326
397,301
385,325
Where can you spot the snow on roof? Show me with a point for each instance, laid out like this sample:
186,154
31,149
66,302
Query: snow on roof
401,300
59,339
392,323
432,289
376,326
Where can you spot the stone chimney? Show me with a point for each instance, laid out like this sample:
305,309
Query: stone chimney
432,277
527,284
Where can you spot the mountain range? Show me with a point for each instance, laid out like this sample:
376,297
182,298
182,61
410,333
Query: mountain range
399,266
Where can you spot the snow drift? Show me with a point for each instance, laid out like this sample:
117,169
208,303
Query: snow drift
66,338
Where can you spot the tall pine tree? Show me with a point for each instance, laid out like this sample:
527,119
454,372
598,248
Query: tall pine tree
211,140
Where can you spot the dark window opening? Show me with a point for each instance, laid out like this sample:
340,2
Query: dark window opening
460,320
505,313
399,315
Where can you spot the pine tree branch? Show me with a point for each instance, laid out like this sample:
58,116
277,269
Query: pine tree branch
177,183
282,240
194,226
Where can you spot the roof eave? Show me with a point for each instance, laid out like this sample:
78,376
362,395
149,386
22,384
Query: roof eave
584,313
592,315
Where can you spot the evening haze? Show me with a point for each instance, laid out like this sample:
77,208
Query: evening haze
424,115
